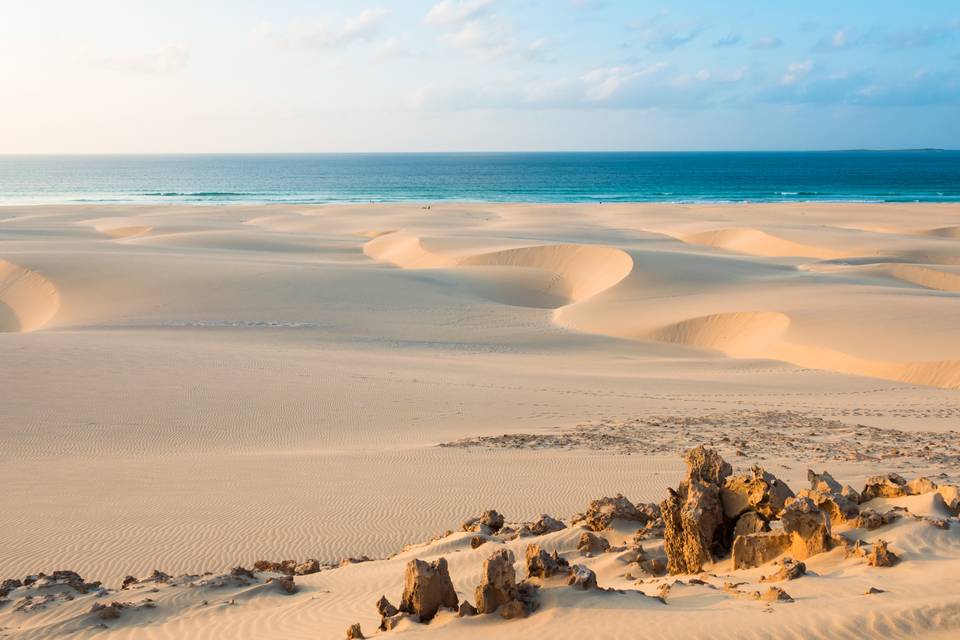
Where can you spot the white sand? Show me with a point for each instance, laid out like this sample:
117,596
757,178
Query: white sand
191,388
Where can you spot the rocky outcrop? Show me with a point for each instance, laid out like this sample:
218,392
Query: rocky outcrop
757,549
354,632
789,570
600,513
487,523
837,507
951,497
426,588
749,522
289,567
540,564
591,544
808,526
498,584
385,608
870,519
776,594
891,485
921,485
881,556
582,578
693,514
823,482
545,524
757,491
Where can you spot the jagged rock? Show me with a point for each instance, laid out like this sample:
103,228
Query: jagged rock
951,497
540,564
592,543
492,519
750,522
891,485
809,527
466,610
707,466
513,609
757,549
870,519
426,588
921,485
498,584
546,524
349,561
873,591
600,513
851,494
582,578
477,541
158,576
285,584
837,507
823,482
692,524
354,632
128,581
755,491
881,556
386,609
776,594
789,570
693,515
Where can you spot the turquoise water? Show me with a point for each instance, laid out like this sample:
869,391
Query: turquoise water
495,177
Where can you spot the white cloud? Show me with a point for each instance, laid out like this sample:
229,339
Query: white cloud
325,35
169,59
796,72
453,12
604,83
483,39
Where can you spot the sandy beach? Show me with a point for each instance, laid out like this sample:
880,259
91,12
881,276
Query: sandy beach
191,389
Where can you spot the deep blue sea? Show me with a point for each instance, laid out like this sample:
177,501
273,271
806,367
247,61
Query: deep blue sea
899,176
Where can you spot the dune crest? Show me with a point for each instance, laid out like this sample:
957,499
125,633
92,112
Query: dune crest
758,243
579,271
762,334
27,299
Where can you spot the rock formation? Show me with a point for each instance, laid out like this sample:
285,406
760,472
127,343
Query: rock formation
591,543
693,515
540,564
426,588
757,491
600,513
498,584
582,578
891,485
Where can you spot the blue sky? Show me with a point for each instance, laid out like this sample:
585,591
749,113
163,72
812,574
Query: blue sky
392,75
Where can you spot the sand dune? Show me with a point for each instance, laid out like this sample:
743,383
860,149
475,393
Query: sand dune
759,243
27,299
573,272
251,382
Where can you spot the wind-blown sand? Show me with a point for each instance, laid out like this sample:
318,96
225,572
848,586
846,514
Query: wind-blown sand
195,388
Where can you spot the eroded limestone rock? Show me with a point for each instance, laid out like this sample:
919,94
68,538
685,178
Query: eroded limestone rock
891,485
498,584
540,564
757,491
582,578
426,588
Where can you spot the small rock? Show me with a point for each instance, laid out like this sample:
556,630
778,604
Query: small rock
891,485
873,591
776,594
881,556
789,570
513,609
582,578
386,609
477,541
354,632
285,584
498,584
466,610
542,565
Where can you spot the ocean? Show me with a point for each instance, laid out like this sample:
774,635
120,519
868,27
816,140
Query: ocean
869,176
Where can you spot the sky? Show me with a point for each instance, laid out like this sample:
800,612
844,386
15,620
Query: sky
138,76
